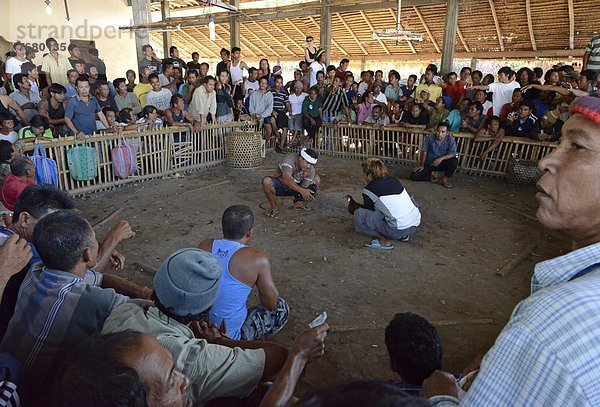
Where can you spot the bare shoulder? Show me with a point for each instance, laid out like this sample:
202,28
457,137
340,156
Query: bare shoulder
206,245
252,258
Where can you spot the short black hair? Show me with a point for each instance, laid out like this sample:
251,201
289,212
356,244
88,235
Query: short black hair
18,79
444,124
50,40
478,106
276,77
237,221
16,44
209,78
413,76
93,373
117,82
589,74
465,68
72,46
331,68
194,54
414,347
145,47
235,49
20,165
61,238
344,61
302,63
205,64
4,116
27,67
538,71
93,52
88,67
477,72
166,64
147,110
171,49
152,76
529,104
451,74
39,121
6,150
102,83
81,78
56,88
506,70
175,99
225,50
129,71
363,393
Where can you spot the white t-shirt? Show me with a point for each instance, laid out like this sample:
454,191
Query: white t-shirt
13,66
250,87
502,94
160,100
316,67
296,102
12,136
381,98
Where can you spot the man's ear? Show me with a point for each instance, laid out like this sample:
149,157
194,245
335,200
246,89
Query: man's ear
250,233
24,219
87,255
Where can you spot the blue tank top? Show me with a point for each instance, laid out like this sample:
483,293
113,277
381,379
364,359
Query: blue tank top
233,294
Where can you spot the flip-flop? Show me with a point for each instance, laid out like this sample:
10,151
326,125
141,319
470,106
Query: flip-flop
447,185
376,244
271,214
301,208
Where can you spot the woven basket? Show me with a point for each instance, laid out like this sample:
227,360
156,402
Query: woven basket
244,150
520,171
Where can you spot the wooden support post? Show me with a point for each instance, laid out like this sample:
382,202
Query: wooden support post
166,36
363,64
530,24
427,30
234,26
141,14
474,63
571,25
450,28
497,24
325,34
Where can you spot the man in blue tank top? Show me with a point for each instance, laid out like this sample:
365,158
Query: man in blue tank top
243,268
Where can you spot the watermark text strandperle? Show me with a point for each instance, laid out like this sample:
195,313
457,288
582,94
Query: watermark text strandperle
34,32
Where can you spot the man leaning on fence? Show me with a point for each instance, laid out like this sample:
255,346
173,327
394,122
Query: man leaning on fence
438,155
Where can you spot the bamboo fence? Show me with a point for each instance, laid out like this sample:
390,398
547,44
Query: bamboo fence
165,151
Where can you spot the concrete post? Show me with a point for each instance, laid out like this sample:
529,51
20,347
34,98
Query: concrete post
449,35
325,34
141,15
234,26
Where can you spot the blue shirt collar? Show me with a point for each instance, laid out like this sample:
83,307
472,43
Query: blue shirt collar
564,268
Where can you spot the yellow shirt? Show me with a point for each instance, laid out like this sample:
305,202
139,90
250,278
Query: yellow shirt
57,68
435,91
141,90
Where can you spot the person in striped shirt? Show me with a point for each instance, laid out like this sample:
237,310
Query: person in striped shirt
548,353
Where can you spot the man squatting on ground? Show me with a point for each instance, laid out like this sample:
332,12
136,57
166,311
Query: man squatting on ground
388,211
243,268
296,176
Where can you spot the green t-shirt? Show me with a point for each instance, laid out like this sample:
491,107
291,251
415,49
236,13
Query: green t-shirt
312,106
26,132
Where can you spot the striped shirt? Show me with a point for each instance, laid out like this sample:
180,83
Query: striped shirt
280,99
334,102
594,49
548,353
55,310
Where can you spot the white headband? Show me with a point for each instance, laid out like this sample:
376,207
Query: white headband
307,157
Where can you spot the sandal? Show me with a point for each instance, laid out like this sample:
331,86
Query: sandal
272,213
434,178
376,244
301,208
447,185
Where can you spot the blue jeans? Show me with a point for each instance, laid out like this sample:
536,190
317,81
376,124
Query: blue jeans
327,140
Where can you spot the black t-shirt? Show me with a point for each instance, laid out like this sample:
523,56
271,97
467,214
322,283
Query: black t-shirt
409,119
177,63
109,102
194,65
76,61
220,66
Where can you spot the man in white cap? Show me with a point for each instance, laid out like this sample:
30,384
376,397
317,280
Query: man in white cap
295,176
185,288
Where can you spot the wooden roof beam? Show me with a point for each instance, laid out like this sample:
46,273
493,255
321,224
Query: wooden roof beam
385,48
530,24
250,44
280,31
427,30
395,17
194,41
257,38
351,33
462,39
334,42
274,38
571,25
498,32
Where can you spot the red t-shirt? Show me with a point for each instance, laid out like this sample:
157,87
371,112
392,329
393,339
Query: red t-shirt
454,92
11,189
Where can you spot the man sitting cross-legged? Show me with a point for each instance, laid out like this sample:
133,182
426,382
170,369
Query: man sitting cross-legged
388,211
56,308
438,155
296,176
185,288
243,268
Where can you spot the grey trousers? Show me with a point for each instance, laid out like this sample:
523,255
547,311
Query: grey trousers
262,321
373,223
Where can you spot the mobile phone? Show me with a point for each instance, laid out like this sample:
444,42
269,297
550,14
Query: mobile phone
319,320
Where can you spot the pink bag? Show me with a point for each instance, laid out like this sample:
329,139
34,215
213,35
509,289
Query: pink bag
124,159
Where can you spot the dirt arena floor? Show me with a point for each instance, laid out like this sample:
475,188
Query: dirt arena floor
446,272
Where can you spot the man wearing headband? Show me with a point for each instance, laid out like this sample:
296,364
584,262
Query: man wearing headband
295,176
548,354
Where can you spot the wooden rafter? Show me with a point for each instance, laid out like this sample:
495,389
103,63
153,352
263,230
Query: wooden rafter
385,48
194,41
249,44
496,22
334,42
272,37
427,30
257,38
410,44
571,25
530,24
462,39
280,31
351,33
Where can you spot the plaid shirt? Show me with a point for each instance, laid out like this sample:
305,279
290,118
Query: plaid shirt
548,353
54,311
